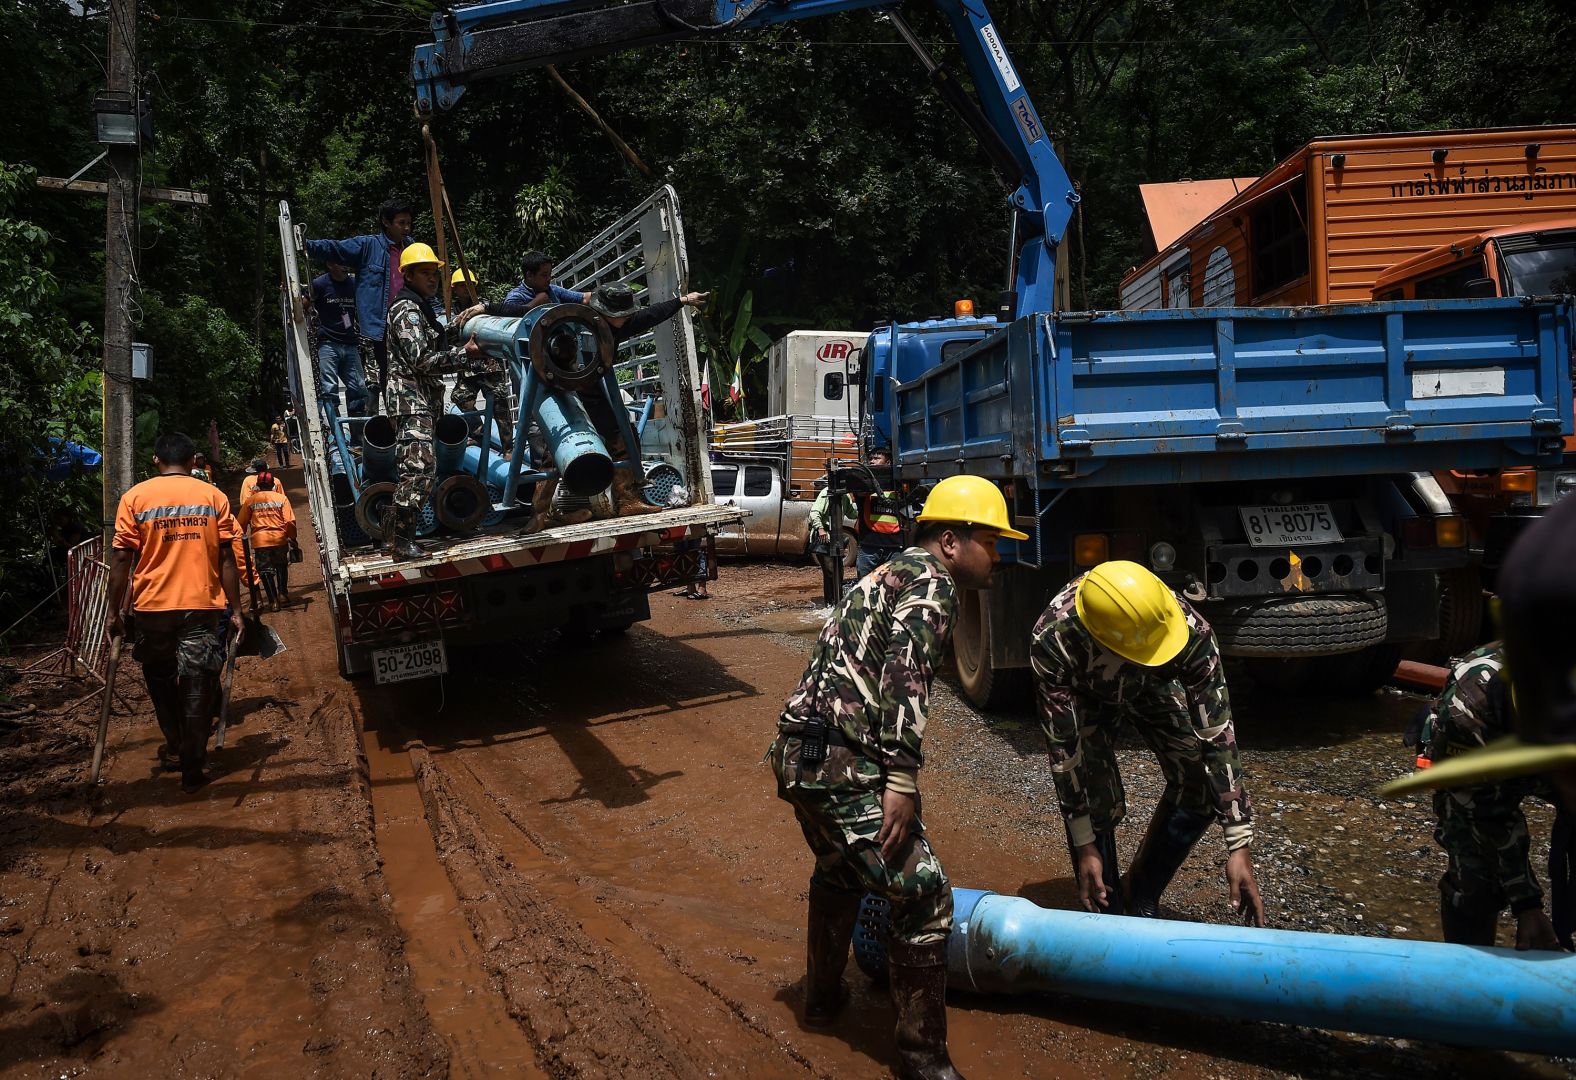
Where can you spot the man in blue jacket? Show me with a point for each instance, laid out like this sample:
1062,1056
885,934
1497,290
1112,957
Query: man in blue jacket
375,260
338,344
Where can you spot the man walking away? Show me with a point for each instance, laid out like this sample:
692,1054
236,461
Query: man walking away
177,533
338,340
820,525
419,353
1118,645
268,514
375,260
848,755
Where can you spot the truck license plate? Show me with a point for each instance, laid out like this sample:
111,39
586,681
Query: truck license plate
1280,526
415,661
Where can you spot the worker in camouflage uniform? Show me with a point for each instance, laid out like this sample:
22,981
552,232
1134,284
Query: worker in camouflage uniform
1481,826
486,377
848,756
419,351
1118,645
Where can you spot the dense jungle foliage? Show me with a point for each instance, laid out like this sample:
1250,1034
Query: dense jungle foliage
821,179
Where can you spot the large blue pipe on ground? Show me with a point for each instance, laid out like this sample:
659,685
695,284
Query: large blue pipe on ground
1498,999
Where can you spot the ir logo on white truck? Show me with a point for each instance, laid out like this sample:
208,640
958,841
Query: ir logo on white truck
999,55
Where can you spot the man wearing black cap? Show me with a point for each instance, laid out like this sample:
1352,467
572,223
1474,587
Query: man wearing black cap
1537,595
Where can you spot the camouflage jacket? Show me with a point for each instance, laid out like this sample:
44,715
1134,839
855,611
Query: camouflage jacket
1076,678
1482,826
419,351
870,672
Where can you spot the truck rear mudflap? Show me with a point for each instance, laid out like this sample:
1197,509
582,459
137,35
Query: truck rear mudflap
491,554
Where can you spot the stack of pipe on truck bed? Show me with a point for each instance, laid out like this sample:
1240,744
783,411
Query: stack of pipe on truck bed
1460,995
467,489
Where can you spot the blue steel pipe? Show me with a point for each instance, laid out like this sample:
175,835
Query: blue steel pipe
377,450
450,435
584,465
1466,996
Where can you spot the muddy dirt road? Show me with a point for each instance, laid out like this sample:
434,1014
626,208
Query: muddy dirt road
591,876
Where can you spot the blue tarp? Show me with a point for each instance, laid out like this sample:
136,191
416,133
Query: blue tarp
62,454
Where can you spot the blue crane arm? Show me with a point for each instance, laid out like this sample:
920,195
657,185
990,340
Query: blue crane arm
494,38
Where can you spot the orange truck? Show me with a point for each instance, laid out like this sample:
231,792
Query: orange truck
1325,223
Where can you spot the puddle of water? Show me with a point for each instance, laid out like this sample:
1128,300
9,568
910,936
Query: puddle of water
470,1017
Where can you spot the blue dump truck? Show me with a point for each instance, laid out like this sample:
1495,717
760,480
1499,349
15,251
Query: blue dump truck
1273,463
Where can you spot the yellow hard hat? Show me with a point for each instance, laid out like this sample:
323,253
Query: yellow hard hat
970,500
1131,612
462,275
418,255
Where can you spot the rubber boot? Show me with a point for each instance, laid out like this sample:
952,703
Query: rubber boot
1463,922
1171,836
398,526
832,918
196,693
165,693
1110,871
919,997
626,497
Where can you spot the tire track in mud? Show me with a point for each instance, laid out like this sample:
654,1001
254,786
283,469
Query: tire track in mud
582,981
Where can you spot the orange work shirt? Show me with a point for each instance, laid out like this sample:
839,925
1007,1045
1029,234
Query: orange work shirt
248,485
269,516
175,524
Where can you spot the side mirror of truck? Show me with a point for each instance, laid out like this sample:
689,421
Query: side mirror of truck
1479,289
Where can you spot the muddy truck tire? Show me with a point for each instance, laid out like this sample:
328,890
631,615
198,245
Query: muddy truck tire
986,687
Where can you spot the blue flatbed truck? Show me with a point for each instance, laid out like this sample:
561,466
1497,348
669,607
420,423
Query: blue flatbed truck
1272,463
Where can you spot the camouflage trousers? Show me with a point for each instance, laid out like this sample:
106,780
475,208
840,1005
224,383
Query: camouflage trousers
1474,880
839,813
416,468
1169,733
495,385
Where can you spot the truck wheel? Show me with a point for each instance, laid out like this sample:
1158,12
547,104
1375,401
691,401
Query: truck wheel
985,687
1460,617
1295,627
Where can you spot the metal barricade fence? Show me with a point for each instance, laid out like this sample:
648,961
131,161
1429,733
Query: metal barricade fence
87,585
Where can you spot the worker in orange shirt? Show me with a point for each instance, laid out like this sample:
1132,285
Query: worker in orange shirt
269,516
173,537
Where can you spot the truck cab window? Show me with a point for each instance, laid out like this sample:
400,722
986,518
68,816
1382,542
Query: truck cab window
757,481
1451,283
724,480
1279,238
1548,271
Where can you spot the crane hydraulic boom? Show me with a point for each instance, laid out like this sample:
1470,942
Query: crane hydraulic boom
491,39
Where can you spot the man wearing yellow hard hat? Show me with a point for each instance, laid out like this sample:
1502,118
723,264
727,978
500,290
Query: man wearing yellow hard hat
848,756
420,350
1118,645
488,377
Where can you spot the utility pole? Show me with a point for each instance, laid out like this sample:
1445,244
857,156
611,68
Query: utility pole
120,231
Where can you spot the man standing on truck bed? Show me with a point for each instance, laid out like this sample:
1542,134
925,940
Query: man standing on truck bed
848,755
338,341
487,377
375,258
177,531
419,353
1117,644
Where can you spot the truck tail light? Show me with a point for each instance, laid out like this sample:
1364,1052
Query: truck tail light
1446,531
1091,549
1450,531
1518,480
